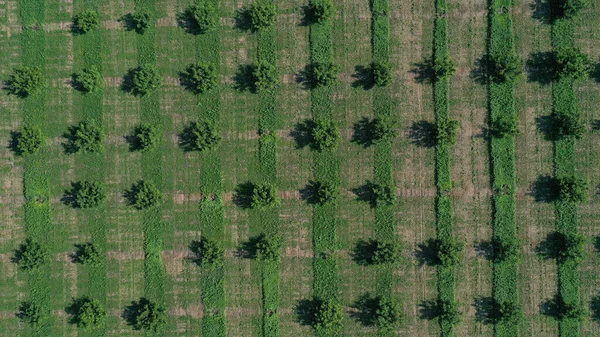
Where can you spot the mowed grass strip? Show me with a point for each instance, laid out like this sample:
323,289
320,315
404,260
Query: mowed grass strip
502,151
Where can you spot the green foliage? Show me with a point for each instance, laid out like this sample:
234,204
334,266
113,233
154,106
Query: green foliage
505,67
90,79
145,79
383,130
324,192
86,194
264,195
32,313
447,132
204,15
265,76
141,21
570,246
29,140
382,194
149,316
449,313
85,137
144,195
572,311
510,313
382,73
26,81
86,21
208,251
325,135
567,125
263,14
443,67
506,250
321,10
88,313
573,63
89,254
572,7
323,74
268,248
387,253
388,313
504,126
145,138
449,252
200,136
573,189
200,77
31,255
328,316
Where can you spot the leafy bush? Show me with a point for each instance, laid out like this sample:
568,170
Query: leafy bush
149,316
31,255
203,15
570,246
208,251
573,63
200,136
449,312
32,313
505,67
90,79
264,195
382,73
323,74
504,126
86,21
89,254
447,132
200,77
145,137
449,252
268,248
145,79
263,14
321,10
265,76
325,135
85,137
382,194
29,140
26,81
88,313
572,311
567,125
328,316
571,8
510,313
443,67
85,194
144,195
573,189
141,21
386,253
383,130
506,250
323,192
388,312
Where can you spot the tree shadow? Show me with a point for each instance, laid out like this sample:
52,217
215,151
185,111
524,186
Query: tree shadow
18,253
363,77
595,308
595,75
552,306
547,126
79,251
244,78
305,311
423,72
127,84
70,136
486,310
304,77
544,189
485,248
195,246
243,22
187,139
363,132
363,251
13,143
365,193
549,248
542,11
541,68
308,193
185,21
423,134
596,125
243,195
429,309
129,23
133,141
69,197
132,311
73,309
480,72
365,309
76,83
302,133
427,253
306,16
248,248
597,244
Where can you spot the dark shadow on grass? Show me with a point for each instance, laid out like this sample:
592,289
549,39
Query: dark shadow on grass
73,310
365,193
544,189
306,15
302,133
243,195
595,75
597,244
363,252
485,249
541,68
429,309
423,72
248,248
13,143
129,23
365,309
542,11
185,21
69,197
243,22
486,310
244,79
549,248
363,132
127,84
596,125
426,253
305,311
595,308
363,77
423,133
552,306
479,74
546,125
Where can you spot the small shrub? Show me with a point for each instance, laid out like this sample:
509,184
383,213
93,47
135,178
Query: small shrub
32,313
573,189
86,21
321,10
268,248
443,68
141,21
265,76
31,255
573,63
145,138
144,195
29,140
200,77
572,311
567,125
383,130
264,196
325,135
85,137
89,254
510,313
149,316
324,192
381,194
208,251
570,246
386,253
26,81
382,73
90,79
571,8
447,132
388,312
449,312
449,252
506,250
263,14
85,194
88,313
505,67
504,126
323,74
200,136
328,316
203,15
145,79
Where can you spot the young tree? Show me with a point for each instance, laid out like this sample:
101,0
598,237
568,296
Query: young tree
504,126
506,250
88,313
567,125
447,132
265,76
572,311
145,79
85,137
570,246
145,137
29,140
86,21
573,189
89,79
32,314
200,77
382,73
200,136
388,313
203,15
382,194
144,195
89,254
26,81
207,251
325,135
323,74
571,8
321,10
263,14
387,253
573,63
86,194
443,67
141,21
510,313
449,312
323,192
505,67
268,248
328,316
31,255
264,195
449,252
149,316
383,130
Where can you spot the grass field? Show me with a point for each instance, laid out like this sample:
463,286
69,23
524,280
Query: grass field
147,252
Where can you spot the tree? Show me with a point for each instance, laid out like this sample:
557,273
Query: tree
571,8
89,254
570,246
200,136
86,21
321,10
85,137
505,67
208,252
86,194
145,137
200,77
449,312
573,189
323,74
503,126
447,132
31,255
263,14
567,125
508,250
88,313
148,315
449,252
382,73
382,194
203,15
510,313
144,195
33,314
140,21
328,316
323,192
89,79
572,311
268,248
386,253
26,81
29,140
443,67
265,76
145,79
383,130
325,135
573,63
264,195
388,312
